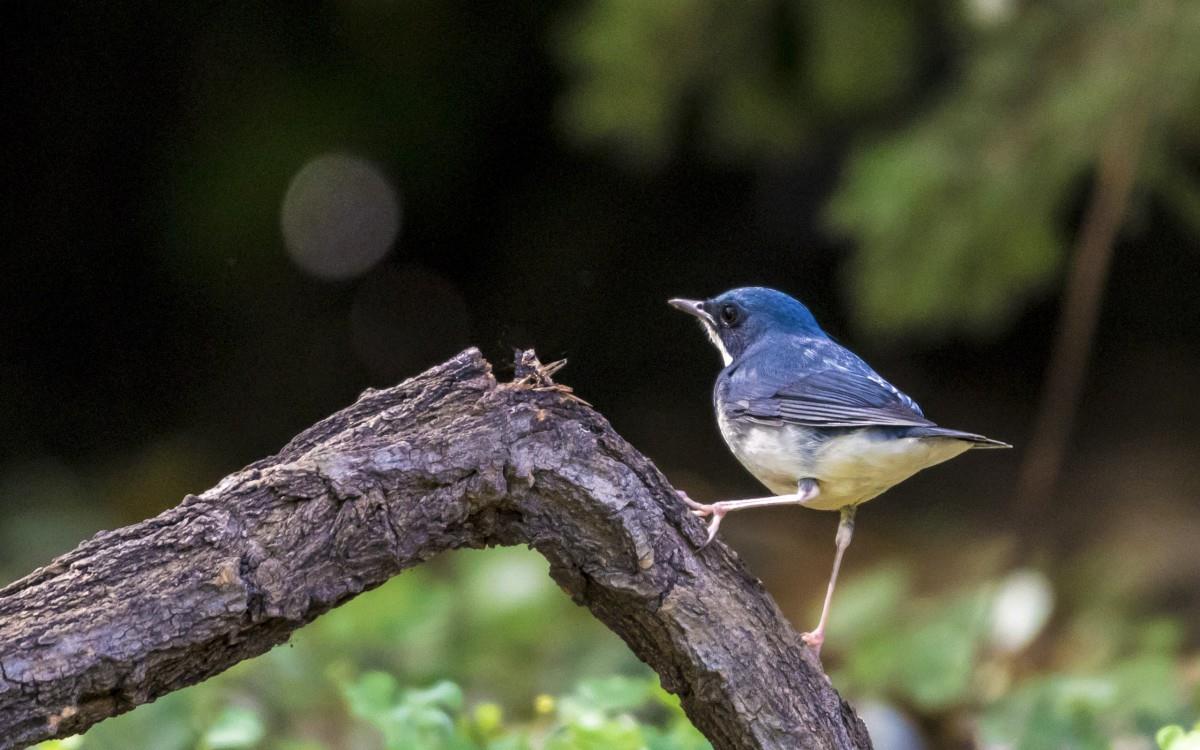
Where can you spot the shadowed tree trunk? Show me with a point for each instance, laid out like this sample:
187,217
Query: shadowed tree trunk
448,459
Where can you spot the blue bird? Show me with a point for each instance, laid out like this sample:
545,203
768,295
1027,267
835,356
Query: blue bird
809,418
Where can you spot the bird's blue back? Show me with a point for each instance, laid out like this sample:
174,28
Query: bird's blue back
789,367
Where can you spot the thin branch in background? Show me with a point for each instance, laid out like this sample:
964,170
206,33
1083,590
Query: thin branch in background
1090,263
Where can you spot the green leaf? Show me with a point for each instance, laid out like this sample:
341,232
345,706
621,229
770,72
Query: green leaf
444,695
616,693
235,727
68,743
592,731
1168,736
371,695
1175,738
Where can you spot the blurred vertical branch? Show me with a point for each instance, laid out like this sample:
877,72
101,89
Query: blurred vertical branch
1118,161
1090,263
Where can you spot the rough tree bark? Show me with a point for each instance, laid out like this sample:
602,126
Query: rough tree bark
448,459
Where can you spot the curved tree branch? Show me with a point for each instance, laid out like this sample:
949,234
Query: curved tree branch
448,459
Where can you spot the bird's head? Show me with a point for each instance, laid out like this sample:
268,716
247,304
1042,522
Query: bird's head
739,318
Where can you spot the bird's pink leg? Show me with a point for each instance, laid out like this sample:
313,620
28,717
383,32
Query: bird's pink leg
845,531
806,490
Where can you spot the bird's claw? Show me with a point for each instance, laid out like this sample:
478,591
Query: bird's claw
813,640
704,510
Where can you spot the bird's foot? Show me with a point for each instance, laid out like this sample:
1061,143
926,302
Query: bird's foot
813,640
704,510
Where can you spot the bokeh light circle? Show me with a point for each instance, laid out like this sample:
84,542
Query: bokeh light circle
340,216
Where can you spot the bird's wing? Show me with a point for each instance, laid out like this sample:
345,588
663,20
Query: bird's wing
833,389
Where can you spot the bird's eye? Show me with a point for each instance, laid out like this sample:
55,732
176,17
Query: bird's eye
730,315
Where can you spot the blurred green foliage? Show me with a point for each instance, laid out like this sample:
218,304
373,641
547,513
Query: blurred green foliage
489,637
1176,737
479,651
969,202
759,78
958,215
950,656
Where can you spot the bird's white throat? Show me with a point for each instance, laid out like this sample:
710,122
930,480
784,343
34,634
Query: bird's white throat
716,340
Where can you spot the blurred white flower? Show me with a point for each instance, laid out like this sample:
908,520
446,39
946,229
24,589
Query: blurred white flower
1020,609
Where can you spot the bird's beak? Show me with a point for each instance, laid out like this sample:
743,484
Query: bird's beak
692,307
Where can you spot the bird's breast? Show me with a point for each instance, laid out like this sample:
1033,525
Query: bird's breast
779,456
851,465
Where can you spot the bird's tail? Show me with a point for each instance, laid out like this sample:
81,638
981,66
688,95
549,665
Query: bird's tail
976,441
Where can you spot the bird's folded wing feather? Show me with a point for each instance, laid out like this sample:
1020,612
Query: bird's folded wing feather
831,396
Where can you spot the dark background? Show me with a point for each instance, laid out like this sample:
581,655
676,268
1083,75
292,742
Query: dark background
157,335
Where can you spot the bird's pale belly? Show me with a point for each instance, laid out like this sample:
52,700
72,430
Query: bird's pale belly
851,467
